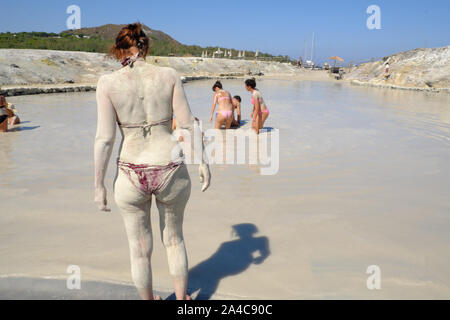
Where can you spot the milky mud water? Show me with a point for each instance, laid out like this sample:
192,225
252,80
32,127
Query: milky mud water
363,180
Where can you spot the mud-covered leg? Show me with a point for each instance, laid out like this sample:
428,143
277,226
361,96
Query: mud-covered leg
171,202
135,210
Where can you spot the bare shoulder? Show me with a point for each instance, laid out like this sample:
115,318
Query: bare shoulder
104,80
163,73
257,94
169,72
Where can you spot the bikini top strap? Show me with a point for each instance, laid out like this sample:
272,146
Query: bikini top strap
144,125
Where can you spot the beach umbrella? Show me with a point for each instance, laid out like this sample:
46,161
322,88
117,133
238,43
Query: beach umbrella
336,58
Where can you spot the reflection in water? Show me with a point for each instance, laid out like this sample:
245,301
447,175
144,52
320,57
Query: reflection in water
231,258
424,113
56,132
7,145
8,141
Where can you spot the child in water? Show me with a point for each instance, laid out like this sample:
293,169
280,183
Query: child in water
236,101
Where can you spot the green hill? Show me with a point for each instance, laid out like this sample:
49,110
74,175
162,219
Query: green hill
100,39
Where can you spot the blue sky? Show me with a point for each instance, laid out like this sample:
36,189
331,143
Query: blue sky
277,27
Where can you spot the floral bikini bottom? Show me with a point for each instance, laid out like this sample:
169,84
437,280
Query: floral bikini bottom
149,179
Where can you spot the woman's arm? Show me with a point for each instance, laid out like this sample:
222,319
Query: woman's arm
104,141
187,121
213,106
257,108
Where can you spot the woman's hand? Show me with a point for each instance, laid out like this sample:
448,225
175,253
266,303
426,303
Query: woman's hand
100,199
205,176
210,118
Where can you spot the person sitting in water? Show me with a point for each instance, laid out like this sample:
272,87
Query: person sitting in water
15,118
7,116
224,115
260,111
236,101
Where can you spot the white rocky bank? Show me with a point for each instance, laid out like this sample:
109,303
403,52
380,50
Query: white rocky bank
28,67
420,69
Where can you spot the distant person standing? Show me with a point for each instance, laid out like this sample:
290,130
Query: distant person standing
341,74
386,71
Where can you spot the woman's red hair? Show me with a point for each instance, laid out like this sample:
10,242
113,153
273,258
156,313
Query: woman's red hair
130,36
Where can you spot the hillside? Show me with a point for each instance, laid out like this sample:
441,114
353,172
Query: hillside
420,68
100,39
109,32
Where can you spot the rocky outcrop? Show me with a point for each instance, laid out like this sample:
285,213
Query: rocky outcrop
28,67
19,90
193,66
38,89
427,69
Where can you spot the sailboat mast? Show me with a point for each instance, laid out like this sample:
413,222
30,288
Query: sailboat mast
304,51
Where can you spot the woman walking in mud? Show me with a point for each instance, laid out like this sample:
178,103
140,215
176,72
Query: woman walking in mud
142,99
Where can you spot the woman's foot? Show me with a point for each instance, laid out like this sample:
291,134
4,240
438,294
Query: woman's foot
147,294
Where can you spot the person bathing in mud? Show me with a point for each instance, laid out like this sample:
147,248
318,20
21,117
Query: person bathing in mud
236,101
260,112
224,115
7,115
141,100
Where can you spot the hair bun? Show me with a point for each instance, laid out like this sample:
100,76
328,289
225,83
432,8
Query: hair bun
251,82
134,26
218,84
136,31
129,36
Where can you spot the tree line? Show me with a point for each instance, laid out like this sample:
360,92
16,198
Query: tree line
73,42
